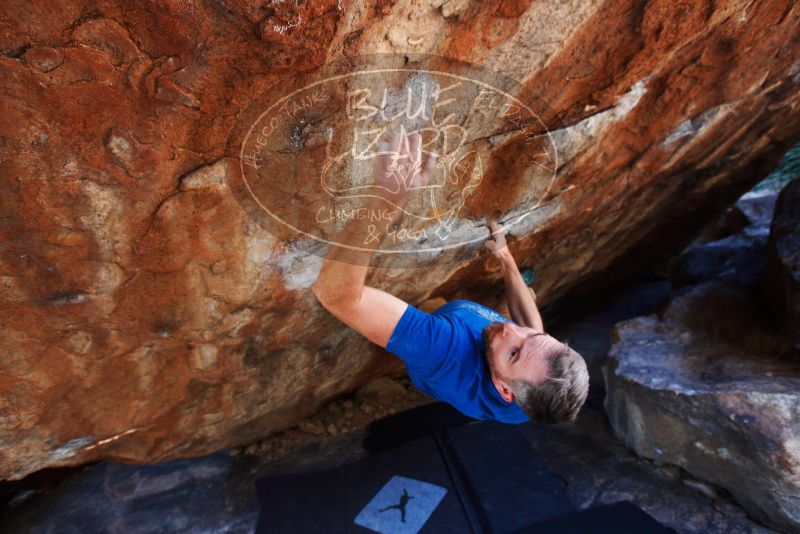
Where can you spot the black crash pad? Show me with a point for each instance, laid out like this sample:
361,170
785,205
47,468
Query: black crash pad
402,427
619,518
434,470
478,477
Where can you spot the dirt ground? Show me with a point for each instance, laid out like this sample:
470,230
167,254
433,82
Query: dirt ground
349,414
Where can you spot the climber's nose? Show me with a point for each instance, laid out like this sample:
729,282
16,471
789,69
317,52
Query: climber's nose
507,330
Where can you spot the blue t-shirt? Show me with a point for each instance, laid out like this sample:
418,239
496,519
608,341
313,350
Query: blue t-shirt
444,350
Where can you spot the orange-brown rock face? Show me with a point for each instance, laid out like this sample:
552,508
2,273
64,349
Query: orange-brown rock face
146,316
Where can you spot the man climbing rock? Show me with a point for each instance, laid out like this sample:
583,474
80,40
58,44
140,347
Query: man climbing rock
465,354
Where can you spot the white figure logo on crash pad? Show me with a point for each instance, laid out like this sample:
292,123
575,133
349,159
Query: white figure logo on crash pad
402,506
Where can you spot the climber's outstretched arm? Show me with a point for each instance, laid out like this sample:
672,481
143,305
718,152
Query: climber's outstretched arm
341,289
521,299
340,286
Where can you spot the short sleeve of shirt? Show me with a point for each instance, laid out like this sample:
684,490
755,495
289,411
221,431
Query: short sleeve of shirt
422,340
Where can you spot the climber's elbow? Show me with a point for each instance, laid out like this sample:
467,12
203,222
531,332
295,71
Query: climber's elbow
333,298
320,293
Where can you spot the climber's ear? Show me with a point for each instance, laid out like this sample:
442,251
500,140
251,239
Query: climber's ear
506,392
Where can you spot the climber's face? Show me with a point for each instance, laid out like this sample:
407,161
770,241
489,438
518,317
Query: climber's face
517,353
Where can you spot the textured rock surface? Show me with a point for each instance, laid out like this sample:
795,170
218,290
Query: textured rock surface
739,258
783,260
599,470
145,317
711,388
733,248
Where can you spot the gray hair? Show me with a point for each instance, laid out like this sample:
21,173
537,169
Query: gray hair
560,397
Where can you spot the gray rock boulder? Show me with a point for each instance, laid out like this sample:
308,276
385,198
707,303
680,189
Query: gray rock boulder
733,248
755,209
783,260
710,388
738,258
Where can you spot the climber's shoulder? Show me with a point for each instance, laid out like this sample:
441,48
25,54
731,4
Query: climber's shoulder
470,309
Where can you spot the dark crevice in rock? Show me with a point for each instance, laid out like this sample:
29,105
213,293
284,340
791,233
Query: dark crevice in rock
65,297
17,52
93,14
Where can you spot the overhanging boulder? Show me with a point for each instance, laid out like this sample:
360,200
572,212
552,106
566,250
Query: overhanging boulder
145,317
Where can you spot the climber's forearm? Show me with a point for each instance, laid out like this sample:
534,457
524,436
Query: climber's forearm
521,299
340,285
344,270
